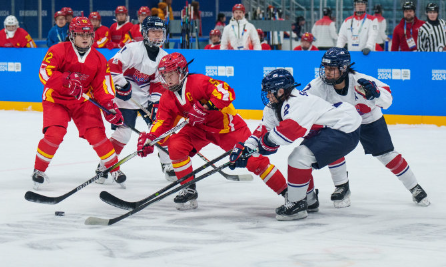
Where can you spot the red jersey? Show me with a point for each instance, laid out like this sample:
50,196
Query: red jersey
312,48
21,39
92,67
404,31
265,46
212,46
101,37
198,87
119,34
135,33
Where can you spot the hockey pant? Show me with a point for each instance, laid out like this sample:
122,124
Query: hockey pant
190,140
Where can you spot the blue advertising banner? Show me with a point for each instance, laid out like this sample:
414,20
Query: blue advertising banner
417,80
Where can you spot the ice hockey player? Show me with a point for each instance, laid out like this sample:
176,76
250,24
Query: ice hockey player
135,31
14,36
215,38
69,70
207,103
101,33
119,30
339,82
330,132
135,73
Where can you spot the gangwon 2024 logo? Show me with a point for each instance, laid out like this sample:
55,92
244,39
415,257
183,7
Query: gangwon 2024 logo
220,71
394,74
438,75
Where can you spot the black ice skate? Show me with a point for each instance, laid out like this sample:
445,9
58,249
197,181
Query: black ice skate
292,210
313,201
100,172
119,178
168,171
419,196
39,178
188,194
341,196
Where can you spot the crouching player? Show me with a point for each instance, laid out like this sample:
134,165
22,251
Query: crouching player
330,132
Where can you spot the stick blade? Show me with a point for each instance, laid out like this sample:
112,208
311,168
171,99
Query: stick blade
240,177
96,221
116,202
38,198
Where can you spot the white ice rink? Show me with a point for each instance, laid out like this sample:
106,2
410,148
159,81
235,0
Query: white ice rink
234,224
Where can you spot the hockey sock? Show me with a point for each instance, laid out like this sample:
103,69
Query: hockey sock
118,146
272,177
183,167
338,170
103,147
48,146
298,183
398,165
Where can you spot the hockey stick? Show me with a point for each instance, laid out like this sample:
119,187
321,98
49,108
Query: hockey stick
127,205
232,177
100,221
38,198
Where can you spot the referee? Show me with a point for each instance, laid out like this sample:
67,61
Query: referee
432,35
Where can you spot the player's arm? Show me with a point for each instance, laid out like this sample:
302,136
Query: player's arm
29,42
103,40
221,94
49,72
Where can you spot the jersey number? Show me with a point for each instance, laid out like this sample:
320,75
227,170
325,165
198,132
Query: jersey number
48,57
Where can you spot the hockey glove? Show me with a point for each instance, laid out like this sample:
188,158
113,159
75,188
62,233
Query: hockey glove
369,89
153,109
267,147
125,92
197,115
72,84
365,51
144,150
115,115
238,156
112,45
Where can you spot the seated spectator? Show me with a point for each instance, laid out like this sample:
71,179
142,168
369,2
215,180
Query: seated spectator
306,43
14,36
215,37
135,31
101,33
263,42
68,14
221,22
58,33
119,31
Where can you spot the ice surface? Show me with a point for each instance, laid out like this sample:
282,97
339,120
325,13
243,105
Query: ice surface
234,224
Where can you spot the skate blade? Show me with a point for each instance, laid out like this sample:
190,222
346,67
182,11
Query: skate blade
36,185
424,202
123,186
342,203
297,216
313,210
190,205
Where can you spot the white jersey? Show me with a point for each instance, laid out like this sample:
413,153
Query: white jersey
132,64
370,110
358,33
240,35
303,112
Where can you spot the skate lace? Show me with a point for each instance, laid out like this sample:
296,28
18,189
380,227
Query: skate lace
184,192
117,173
416,191
167,167
339,190
288,205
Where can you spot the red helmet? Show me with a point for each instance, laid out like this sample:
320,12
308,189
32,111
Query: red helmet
121,10
173,62
80,25
94,15
238,7
215,32
144,11
260,33
68,11
59,13
308,37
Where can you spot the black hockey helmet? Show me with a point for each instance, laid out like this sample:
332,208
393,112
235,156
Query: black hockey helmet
432,7
153,23
326,11
275,80
409,5
335,57
378,9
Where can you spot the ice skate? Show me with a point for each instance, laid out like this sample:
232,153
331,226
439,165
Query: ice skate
168,171
313,201
292,210
341,196
119,178
39,178
187,199
419,196
100,172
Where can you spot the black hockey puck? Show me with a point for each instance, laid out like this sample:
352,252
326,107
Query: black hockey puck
59,213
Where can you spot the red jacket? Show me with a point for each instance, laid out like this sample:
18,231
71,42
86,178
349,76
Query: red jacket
312,48
21,39
101,37
212,46
399,42
120,34
135,32
265,46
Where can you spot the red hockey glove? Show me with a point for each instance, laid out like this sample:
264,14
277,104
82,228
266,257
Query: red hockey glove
197,115
111,45
115,115
72,84
142,140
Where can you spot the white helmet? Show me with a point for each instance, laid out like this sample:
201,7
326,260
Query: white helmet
11,21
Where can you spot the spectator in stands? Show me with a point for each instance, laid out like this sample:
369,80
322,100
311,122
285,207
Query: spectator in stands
306,43
263,42
324,30
432,35
196,15
14,36
382,26
221,22
169,4
58,33
68,14
101,33
239,34
119,31
405,33
215,38
135,31
298,26
359,31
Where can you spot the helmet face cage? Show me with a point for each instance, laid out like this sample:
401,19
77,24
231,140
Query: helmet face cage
81,25
335,57
359,13
272,82
173,62
153,23
11,21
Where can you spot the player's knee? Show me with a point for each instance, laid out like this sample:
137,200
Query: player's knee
55,134
179,148
122,135
257,164
388,157
301,158
94,136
